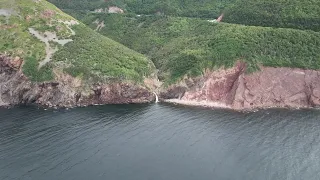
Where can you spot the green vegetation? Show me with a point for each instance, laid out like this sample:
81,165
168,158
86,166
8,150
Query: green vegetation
190,8
177,45
17,41
298,14
90,55
180,46
79,4
37,75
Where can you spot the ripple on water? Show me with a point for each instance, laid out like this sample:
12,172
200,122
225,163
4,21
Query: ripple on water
158,141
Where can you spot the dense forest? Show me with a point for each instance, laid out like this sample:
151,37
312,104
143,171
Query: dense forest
181,41
190,8
300,14
179,45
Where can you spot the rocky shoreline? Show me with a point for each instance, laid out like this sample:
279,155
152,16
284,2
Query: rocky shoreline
213,105
234,89
198,103
224,88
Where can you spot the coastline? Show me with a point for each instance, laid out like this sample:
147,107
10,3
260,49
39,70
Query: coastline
199,103
192,103
218,105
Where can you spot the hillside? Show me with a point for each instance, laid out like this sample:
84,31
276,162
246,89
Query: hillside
299,14
180,46
48,39
190,8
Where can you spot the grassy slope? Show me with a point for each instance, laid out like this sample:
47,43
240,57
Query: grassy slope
90,55
93,55
180,46
299,14
17,41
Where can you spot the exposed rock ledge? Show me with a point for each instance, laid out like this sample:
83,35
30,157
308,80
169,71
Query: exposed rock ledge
232,88
65,91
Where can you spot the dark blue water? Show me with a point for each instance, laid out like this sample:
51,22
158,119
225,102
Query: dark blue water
158,142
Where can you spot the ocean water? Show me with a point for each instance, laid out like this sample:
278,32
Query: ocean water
158,142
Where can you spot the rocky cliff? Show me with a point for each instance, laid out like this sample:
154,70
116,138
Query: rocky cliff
233,88
227,88
64,91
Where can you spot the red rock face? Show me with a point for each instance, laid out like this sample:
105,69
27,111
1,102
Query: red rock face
278,87
8,63
218,86
220,18
269,87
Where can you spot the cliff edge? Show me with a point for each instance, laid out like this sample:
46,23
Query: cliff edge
64,91
233,88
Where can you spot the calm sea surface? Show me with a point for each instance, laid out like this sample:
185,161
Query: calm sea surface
158,142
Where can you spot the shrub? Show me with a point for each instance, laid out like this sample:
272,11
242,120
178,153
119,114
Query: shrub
30,69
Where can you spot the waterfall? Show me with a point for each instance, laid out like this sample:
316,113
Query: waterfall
157,99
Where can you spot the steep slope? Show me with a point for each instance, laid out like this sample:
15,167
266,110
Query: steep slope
50,58
233,88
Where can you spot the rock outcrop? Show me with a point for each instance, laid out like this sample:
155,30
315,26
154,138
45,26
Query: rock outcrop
64,91
233,88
